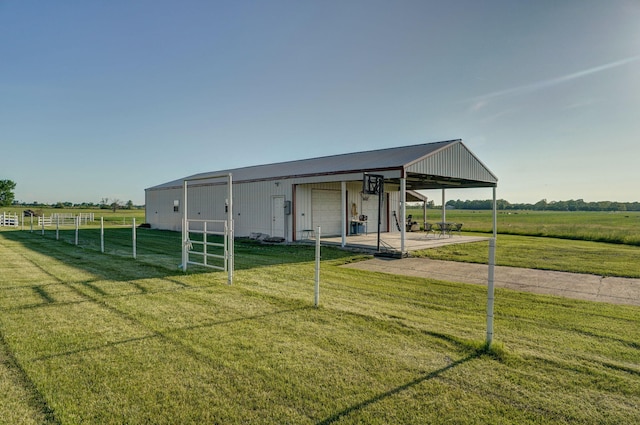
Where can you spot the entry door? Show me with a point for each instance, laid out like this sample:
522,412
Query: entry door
277,216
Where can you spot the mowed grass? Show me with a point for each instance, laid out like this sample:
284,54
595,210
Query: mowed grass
87,337
599,258
620,227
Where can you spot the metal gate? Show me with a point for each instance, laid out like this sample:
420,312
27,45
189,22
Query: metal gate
202,243
200,237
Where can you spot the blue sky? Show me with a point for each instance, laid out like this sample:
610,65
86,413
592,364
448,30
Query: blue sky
106,98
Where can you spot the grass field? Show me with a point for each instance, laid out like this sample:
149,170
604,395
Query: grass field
87,337
612,227
117,217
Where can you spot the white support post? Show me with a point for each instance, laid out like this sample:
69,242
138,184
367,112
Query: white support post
77,228
491,277
403,213
444,209
490,290
343,212
134,236
317,277
495,215
231,231
102,234
42,226
57,227
204,244
424,213
185,231
31,223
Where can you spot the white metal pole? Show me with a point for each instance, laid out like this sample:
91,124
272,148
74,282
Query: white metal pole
102,234
185,232
32,223
343,221
42,226
317,279
495,215
444,210
204,244
424,213
134,236
231,231
403,213
77,226
58,227
490,290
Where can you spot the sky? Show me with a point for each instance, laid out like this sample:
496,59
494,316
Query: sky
102,99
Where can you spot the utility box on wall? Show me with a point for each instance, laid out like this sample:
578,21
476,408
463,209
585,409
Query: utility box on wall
287,207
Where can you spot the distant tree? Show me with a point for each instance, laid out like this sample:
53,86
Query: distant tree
541,205
129,205
115,204
6,192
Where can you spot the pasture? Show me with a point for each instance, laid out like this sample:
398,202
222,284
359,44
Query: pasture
87,337
611,227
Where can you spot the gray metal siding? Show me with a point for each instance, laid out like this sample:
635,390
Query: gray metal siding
454,161
254,187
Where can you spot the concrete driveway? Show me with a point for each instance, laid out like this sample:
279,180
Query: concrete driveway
615,290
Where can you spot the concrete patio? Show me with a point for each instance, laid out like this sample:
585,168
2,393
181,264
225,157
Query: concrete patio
390,242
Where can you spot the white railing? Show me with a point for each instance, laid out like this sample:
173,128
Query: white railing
9,220
69,219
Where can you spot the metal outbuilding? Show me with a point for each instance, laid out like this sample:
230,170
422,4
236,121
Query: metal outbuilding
290,199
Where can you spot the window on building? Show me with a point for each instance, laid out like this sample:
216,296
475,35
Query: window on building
176,205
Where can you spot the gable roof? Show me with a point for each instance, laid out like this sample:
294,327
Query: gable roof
428,165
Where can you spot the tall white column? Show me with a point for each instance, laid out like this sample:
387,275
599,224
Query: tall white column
343,212
444,210
403,213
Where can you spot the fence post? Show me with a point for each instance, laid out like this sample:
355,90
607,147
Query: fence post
102,234
133,230
31,230
77,226
317,288
42,227
57,227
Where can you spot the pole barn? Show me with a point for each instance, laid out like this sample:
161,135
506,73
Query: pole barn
288,200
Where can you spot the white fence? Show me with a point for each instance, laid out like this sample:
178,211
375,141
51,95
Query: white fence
9,220
65,219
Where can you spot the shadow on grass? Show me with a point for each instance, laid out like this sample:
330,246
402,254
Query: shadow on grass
166,333
34,398
157,251
431,375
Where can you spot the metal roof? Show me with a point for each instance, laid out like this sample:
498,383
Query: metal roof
429,165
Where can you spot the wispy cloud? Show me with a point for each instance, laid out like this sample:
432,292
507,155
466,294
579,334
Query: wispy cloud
479,102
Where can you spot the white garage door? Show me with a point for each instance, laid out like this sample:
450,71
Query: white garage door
325,210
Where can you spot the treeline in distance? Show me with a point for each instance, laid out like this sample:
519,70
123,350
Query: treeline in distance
543,205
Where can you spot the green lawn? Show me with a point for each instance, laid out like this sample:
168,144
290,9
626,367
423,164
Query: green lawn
599,258
613,227
102,338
